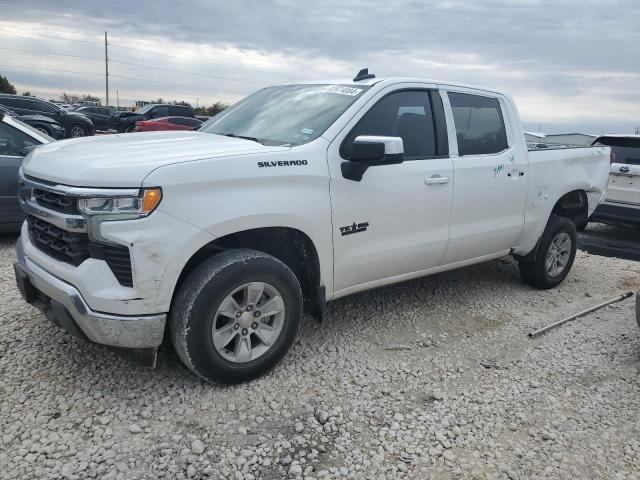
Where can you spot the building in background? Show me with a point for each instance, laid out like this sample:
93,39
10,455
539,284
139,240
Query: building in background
581,139
570,139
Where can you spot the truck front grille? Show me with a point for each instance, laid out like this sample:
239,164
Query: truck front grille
57,202
65,246
75,248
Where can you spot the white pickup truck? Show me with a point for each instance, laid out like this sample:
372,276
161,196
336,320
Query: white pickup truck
297,195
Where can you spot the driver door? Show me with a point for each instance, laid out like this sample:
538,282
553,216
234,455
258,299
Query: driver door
12,147
395,220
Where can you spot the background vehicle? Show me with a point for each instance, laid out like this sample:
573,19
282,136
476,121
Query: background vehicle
16,140
46,125
75,124
297,195
167,123
126,121
100,116
622,205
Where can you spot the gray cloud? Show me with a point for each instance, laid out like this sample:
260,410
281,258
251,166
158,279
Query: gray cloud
568,64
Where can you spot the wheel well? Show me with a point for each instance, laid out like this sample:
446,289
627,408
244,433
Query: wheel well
292,247
573,205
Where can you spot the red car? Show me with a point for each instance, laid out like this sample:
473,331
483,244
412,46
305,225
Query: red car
167,123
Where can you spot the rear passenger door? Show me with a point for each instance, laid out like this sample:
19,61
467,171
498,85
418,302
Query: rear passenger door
490,177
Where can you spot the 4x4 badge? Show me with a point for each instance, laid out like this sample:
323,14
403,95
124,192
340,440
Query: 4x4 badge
355,228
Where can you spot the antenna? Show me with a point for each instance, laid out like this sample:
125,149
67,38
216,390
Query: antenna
363,75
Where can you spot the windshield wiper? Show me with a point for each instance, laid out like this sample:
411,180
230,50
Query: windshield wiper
233,135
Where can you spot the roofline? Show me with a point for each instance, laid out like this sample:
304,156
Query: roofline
385,81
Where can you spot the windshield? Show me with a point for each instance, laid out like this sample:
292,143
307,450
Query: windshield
145,109
285,115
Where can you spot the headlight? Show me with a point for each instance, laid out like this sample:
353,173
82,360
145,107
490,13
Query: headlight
122,207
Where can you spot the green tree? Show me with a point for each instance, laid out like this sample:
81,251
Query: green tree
27,94
72,98
211,110
6,86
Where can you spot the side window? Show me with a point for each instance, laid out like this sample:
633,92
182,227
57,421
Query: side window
13,141
404,114
161,111
480,127
42,107
177,111
21,103
7,102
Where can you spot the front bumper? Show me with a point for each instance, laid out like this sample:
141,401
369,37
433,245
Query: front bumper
64,306
616,214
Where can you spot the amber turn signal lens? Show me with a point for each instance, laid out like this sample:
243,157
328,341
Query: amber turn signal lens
151,199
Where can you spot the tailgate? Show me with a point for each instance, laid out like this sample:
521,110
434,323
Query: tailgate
624,183
624,176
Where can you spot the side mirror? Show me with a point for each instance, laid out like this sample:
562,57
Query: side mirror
370,151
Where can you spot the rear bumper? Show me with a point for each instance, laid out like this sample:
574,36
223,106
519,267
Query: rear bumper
64,306
616,214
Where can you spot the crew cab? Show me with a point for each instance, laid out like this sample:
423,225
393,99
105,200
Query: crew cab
297,195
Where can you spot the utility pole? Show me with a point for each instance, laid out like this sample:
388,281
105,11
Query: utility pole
106,67
118,99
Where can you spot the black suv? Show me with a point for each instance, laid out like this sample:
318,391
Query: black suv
100,116
74,124
126,121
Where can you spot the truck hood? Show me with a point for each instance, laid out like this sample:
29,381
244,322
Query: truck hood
125,160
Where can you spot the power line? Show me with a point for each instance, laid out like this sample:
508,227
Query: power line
135,64
141,80
206,63
218,77
51,37
259,70
40,52
29,68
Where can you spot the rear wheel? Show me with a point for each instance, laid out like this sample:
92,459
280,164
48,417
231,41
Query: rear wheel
129,128
556,253
236,316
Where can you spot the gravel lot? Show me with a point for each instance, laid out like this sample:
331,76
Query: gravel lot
434,378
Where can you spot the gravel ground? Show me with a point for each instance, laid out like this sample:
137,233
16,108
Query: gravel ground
434,378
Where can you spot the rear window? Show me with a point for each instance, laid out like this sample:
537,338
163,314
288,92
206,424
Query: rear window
479,123
628,155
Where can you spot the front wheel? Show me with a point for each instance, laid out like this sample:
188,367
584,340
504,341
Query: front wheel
556,253
76,131
235,316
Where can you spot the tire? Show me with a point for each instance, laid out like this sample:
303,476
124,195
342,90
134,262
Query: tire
537,272
195,313
76,131
43,130
129,128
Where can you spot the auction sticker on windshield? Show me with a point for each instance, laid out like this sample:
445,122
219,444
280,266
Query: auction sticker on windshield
340,90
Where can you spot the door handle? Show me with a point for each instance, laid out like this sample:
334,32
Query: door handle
436,180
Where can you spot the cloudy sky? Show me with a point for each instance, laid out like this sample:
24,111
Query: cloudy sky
571,65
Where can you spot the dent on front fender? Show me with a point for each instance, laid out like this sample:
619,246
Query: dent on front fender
160,246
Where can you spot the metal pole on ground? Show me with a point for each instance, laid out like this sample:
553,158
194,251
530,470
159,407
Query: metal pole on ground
581,314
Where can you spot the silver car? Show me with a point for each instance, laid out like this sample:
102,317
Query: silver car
17,139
